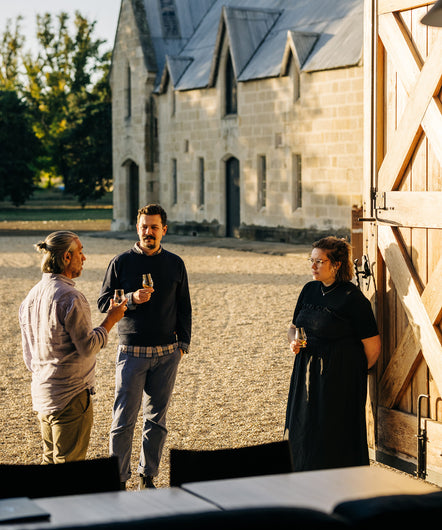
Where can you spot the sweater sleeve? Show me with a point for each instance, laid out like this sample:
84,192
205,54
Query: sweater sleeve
107,288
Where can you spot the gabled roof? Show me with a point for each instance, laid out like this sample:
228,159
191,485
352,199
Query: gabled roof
174,69
299,45
245,30
320,34
171,24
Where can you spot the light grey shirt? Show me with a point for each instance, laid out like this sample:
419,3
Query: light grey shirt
59,343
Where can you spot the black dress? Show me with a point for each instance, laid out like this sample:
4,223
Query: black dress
325,421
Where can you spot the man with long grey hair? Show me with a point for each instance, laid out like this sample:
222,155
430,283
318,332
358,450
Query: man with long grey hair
60,347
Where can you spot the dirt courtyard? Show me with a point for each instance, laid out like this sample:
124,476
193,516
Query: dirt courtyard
231,388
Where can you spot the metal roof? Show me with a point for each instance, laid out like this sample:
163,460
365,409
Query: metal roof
188,15
246,30
324,34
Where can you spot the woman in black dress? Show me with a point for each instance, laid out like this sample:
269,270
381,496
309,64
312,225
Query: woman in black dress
325,421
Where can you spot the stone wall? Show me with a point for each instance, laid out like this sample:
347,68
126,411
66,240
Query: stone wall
319,133
324,127
129,127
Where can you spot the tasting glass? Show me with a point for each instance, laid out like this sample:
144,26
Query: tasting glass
147,280
118,296
301,337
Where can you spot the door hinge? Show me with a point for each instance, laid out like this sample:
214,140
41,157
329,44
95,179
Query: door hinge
373,194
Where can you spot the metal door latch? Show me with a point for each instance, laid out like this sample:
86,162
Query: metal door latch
365,272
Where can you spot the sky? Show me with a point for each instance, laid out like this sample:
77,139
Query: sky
105,12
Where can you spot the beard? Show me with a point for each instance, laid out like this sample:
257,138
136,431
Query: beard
149,242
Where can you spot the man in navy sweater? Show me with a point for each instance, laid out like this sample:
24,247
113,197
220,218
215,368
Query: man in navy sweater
153,335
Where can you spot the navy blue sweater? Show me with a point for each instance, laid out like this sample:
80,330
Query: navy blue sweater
166,318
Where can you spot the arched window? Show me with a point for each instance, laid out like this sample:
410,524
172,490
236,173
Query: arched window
231,88
233,199
133,181
295,76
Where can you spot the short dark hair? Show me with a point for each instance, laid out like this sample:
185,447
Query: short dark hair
153,209
338,251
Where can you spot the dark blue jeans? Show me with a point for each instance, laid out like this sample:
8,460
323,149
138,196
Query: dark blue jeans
148,381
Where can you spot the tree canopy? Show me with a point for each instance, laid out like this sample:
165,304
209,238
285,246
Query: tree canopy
19,149
66,94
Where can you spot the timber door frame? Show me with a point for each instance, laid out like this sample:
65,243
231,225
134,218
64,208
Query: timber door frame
394,206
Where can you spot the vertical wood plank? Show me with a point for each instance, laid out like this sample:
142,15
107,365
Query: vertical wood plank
401,319
434,240
420,382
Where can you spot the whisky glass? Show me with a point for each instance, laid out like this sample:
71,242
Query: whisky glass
301,337
118,296
147,281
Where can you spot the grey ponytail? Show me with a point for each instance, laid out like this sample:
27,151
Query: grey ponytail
53,249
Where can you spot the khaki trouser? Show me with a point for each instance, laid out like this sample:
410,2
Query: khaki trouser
66,433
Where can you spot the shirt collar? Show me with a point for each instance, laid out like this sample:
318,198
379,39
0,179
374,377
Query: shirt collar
138,250
48,276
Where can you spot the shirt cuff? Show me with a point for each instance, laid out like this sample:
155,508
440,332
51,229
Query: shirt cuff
130,303
184,346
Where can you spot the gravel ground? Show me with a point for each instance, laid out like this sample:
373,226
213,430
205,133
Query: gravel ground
232,386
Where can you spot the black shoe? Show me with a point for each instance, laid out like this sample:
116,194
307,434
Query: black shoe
146,482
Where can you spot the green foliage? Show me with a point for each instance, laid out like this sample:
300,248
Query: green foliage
11,44
19,149
67,92
87,153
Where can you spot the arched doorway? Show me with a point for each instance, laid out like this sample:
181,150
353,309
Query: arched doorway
134,193
232,197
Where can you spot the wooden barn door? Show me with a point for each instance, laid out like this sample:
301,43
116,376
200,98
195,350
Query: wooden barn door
403,231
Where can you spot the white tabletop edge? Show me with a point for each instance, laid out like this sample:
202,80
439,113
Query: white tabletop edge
95,508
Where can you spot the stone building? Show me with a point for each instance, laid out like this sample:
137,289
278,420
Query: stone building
241,117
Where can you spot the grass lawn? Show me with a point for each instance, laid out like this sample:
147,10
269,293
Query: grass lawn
51,210
54,214
53,205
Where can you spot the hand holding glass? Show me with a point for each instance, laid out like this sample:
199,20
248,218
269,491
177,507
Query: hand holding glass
118,296
301,337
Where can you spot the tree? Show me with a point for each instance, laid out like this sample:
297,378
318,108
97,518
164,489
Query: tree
19,148
88,151
87,146
62,91
11,44
65,86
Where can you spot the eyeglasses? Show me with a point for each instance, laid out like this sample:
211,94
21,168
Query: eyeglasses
317,262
